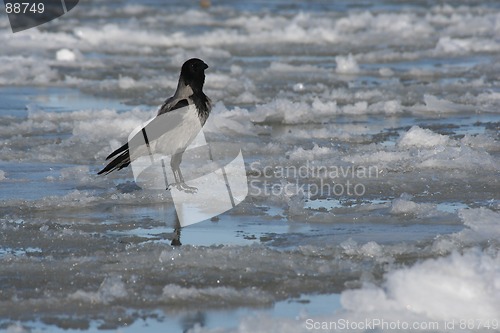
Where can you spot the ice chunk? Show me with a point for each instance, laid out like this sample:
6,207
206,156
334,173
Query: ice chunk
347,64
383,159
387,107
462,157
80,173
372,249
368,250
457,287
66,55
404,206
298,87
247,97
17,328
481,141
384,71
23,70
177,295
283,67
227,121
422,138
316,153
2,175
125,82
111,288
285,111
483,223
435,104
356,108
452,45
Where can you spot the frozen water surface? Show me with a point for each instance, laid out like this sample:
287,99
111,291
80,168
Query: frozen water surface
370,134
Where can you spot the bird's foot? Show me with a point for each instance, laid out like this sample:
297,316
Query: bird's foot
176,242
181,186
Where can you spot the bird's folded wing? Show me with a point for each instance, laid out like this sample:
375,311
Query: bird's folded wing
167,134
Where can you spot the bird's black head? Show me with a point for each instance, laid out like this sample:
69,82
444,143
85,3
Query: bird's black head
193,73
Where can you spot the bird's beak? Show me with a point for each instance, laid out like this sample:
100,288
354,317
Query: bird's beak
206,66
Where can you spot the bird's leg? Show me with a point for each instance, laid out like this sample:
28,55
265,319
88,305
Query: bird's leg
176,240
175,163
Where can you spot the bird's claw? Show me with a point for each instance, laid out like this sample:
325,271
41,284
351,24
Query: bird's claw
182,187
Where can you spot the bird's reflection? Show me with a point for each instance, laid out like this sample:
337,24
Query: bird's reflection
190,320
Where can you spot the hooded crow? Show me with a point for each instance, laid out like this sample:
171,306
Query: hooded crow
196,107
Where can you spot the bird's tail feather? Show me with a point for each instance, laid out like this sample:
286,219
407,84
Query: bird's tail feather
118,151
121,161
